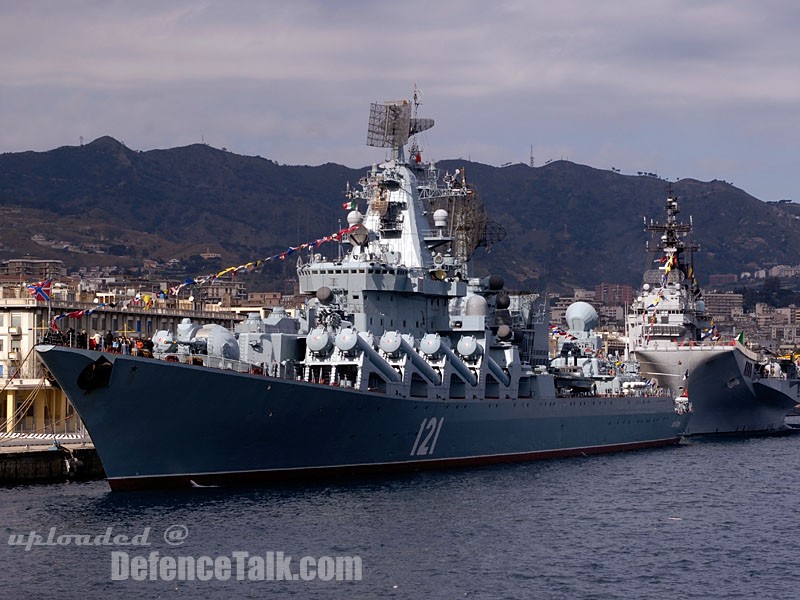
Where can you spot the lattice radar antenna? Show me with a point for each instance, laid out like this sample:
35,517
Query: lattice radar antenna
391,124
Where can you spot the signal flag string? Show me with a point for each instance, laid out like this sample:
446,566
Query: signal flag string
252,265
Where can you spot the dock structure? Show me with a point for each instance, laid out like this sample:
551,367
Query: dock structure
35,458
29,403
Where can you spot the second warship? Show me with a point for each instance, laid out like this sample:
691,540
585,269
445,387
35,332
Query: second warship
731,389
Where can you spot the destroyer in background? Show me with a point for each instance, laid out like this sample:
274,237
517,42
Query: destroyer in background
399,360
730,388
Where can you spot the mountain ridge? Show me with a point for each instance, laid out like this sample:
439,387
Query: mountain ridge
573,224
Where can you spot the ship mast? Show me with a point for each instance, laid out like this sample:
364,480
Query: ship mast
671,242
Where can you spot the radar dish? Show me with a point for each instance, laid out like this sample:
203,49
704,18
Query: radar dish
389,124
656,277
652,276
418,124
380,203
675,276
493,233
379,206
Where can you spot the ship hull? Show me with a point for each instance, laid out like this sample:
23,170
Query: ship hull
724,387
160,424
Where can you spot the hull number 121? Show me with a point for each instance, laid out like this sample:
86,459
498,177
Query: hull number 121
427,436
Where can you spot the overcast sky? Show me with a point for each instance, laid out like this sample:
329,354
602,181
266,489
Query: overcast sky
682,88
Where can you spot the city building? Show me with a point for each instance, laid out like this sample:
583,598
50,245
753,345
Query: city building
28,269
581,294
614,294
558,308
265,299
724,306
224,291
783,271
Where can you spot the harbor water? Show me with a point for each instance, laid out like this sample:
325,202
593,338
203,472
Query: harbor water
707,519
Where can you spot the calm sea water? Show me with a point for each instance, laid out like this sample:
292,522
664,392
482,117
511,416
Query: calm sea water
708,519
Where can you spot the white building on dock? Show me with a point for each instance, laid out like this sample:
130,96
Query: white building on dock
28,402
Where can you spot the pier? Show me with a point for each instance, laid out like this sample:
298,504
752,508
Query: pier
31,459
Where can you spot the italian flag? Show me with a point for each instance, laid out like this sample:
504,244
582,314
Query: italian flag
349,205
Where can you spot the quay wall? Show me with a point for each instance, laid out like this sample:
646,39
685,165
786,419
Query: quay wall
29,466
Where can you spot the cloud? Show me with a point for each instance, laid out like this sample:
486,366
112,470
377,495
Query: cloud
711,81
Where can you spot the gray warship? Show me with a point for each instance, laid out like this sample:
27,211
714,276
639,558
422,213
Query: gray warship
399,360
730,388
581,364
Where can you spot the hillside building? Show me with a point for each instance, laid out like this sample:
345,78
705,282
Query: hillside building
33,269
724,306
614,294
